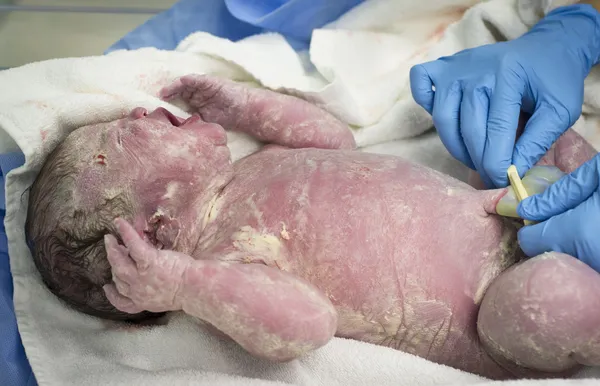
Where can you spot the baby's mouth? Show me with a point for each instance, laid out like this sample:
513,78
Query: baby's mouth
195,122
191,120
162,114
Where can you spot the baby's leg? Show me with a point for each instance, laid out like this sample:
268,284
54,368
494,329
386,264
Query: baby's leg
569,152
542,315
266,115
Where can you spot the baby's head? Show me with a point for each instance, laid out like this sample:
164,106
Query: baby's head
155,170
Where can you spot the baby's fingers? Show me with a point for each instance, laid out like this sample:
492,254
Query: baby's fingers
122,287
171,91
139,251
120,302
118,257
112,245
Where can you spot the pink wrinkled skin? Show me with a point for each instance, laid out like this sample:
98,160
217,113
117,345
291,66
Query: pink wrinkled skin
543,313
302,241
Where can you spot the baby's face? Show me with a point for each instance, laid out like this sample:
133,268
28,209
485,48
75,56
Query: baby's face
156,170
161,162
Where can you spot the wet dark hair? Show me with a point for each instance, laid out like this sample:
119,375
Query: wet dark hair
67,244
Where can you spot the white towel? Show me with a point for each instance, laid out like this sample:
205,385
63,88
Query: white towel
357,68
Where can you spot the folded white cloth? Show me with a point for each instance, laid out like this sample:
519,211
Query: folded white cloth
357,68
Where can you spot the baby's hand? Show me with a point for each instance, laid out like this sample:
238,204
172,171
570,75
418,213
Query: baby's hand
144,278
266,115
197,90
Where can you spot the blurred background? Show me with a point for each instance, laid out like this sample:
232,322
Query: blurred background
27,35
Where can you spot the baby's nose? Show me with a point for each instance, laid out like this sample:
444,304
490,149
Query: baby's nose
138,112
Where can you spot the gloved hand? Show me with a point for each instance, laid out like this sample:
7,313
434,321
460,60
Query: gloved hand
479,92
570,211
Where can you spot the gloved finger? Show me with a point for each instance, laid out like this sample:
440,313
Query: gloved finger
573,232
566,193
541,131
544,237
473,123
503,119
446,119
422,83
555,234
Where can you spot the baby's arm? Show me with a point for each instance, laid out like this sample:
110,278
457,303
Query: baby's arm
270,313
266,115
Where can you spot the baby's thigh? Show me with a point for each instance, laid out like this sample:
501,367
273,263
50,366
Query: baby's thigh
543,314
569,152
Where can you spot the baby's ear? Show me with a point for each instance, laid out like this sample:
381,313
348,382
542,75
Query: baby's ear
161,231
142,226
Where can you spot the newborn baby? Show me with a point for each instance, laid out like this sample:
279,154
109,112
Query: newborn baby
304,240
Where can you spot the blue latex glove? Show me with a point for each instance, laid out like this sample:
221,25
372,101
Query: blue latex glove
570,211
479,92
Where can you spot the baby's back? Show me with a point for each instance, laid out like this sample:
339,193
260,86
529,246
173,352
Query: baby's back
404,253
